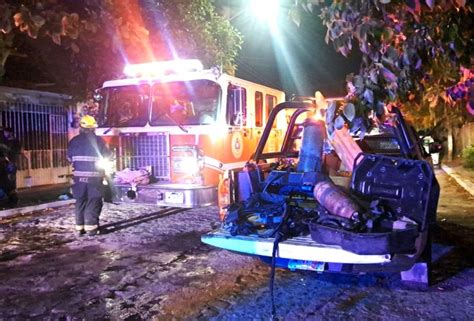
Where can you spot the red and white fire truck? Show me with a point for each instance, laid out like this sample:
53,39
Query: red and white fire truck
186,126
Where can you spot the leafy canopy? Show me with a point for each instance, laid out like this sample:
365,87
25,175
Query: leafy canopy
412,53
93,39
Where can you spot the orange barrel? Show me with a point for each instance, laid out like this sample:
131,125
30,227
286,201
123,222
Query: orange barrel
334,199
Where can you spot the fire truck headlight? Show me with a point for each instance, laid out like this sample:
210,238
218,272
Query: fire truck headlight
188,165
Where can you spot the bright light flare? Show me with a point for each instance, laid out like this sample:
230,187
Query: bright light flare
321,102
106,164
322,105
265,10
318,115
219,132
161,68
188,165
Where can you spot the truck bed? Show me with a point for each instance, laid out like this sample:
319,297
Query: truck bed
296,248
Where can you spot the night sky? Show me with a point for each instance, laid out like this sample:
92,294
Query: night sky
298,61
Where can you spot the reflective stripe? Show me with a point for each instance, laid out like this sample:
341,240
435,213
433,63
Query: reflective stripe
85,158
79,227
91,227
87,174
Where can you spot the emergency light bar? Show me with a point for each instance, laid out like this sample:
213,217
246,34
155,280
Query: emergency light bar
161,68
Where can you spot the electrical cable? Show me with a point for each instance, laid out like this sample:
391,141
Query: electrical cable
279,236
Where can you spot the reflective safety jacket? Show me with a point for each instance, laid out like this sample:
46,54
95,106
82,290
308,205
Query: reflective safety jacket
84,151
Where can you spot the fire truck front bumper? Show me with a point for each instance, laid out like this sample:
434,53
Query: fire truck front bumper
173,195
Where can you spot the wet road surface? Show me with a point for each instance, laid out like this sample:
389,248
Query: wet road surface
150,264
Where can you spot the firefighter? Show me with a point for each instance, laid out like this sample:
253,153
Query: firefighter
85,151
10,150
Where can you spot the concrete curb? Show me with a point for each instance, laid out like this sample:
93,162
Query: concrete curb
33,208
466,184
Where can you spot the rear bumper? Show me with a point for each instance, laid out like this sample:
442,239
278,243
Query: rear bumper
304,249
296,248
174,195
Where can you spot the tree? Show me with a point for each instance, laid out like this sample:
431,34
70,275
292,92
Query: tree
412,51
80,44
196,28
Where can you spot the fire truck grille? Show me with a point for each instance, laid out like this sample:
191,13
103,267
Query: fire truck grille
149,151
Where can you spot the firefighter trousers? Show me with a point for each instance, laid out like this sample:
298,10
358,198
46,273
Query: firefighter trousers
89,203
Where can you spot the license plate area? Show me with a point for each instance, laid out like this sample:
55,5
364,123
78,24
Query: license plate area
306,265
174,197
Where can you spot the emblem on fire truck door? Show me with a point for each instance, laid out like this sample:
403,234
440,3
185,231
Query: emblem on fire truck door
237,144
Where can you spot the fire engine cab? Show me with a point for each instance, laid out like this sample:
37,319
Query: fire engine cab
184,128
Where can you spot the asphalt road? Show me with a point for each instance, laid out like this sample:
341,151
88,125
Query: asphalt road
151,265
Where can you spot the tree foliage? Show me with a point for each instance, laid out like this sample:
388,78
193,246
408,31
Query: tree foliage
412,52
100,36
197,28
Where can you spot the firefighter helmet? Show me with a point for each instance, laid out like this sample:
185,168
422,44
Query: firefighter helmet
88,121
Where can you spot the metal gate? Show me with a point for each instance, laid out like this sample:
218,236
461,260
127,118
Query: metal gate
40,121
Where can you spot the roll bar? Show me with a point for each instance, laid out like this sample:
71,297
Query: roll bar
300,108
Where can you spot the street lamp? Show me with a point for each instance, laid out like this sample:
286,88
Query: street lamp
265,10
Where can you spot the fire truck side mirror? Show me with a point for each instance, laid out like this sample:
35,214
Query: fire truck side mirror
98,95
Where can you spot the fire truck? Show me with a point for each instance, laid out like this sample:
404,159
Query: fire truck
185,127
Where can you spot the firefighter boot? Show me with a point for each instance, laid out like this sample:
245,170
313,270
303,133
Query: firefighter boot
93,232
79,230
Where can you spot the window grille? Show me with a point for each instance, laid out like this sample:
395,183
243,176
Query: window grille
42,131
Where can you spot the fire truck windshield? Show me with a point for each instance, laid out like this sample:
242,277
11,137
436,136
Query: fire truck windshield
125,106
192,102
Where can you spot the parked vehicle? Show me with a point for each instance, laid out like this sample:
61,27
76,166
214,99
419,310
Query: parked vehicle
177,130
291,208
432,148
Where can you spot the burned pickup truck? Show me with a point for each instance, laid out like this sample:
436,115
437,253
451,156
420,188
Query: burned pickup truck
292,207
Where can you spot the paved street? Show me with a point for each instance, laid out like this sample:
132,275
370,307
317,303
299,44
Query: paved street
151,265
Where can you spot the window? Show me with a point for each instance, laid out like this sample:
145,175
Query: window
126,106
236,105
258,109
194,102
270,102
